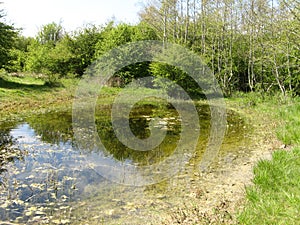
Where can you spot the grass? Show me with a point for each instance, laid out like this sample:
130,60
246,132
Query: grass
21,95
290,132
274,197
30,93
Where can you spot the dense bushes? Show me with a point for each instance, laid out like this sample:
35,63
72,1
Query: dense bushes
257,53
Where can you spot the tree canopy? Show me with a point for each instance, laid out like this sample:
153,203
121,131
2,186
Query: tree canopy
7,39
250,45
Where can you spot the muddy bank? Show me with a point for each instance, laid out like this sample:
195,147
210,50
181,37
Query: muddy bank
221,193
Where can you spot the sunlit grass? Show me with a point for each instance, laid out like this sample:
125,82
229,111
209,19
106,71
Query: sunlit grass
25,79
275,196
290,132
28,94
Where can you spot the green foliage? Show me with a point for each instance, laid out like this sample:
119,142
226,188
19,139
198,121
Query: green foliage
113,37
182,75
259,53
249,45
143,32
52,80
7,37
18,54
174,74
68,54
61,57
50,53
17,60
122,34
38,59
82,45
50,33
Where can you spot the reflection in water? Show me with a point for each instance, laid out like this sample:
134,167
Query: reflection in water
53,172
7,152
139,123
53,127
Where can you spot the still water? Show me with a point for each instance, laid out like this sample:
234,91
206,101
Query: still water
45,178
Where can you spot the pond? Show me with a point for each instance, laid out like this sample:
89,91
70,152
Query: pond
46,178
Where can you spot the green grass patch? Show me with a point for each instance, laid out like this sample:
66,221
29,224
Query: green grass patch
289,133
275,196
28,94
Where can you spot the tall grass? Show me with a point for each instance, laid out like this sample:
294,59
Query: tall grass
275,196
290,132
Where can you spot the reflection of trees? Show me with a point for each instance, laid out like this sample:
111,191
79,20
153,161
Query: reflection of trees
54,127
7,153
5,138
121,152
139,127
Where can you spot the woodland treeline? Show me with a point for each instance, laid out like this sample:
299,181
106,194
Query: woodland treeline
250,45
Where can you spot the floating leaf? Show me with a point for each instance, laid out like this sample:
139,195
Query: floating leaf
29,213
65,221
30,177
56,221
40,213
53,195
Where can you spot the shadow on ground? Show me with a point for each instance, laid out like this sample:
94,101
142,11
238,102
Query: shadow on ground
14,85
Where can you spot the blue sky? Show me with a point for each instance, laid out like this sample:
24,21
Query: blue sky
32,14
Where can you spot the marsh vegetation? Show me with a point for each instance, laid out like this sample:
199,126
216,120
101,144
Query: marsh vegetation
252,50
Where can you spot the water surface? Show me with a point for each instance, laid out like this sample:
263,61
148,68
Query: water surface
46,178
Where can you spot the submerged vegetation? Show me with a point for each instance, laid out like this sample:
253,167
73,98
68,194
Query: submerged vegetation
273,197
252,49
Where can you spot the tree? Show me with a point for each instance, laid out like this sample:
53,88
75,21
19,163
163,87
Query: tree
18,54
50,33
83,46
114,36
7,36
42,56
53,52
250,45
163,17
38,60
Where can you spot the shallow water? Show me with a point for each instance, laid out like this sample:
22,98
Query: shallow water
46,178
